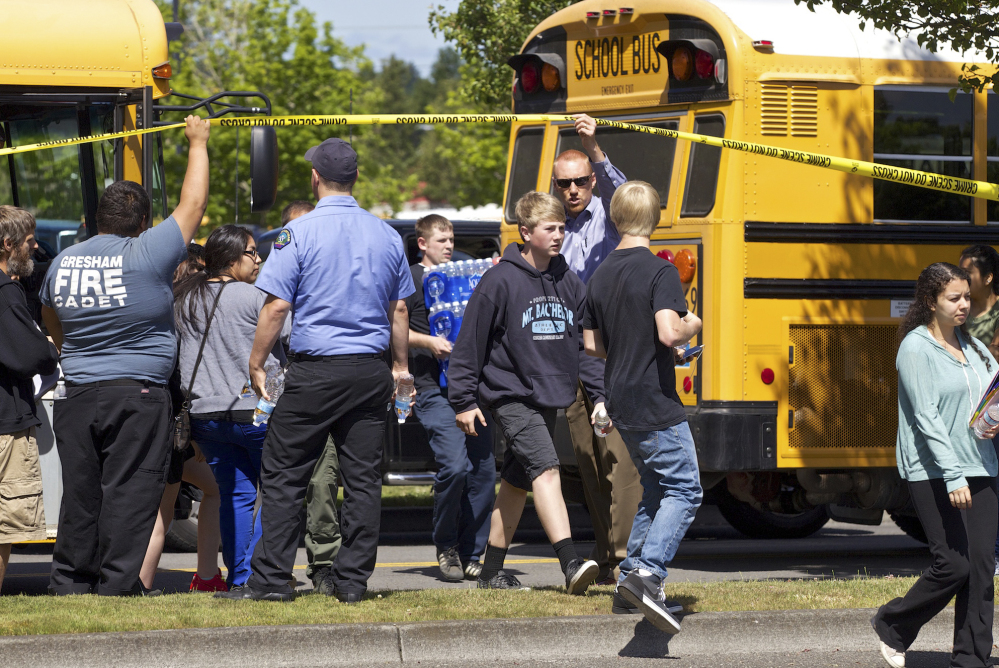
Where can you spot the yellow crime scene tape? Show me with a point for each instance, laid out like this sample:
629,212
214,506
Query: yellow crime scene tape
912,177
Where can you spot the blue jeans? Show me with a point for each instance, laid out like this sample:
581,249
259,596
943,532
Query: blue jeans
671,493
465,484
233,450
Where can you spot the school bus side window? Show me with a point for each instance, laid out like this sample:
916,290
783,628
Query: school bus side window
993,151
524,167
702,169
922,129
639,156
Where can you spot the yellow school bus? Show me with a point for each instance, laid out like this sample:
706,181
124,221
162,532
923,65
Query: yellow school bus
71,69
799,274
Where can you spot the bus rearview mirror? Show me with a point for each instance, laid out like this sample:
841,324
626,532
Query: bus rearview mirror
263,168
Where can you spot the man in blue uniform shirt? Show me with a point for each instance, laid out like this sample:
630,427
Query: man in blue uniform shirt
345,275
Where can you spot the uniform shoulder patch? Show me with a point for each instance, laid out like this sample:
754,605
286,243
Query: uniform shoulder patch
283,239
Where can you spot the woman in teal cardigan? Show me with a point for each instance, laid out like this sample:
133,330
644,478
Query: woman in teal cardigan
942,375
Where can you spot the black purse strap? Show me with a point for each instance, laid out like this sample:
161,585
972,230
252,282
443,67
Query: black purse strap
201,350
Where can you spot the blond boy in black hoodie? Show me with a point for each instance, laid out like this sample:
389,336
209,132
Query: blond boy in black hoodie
519,354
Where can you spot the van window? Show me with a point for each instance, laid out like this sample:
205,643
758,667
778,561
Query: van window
524,168
639,156
924,130
702,170
465,248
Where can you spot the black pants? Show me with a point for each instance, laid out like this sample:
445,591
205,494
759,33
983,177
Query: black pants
961,544
345,399
114,443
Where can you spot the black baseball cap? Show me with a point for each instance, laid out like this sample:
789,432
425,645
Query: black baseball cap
334,159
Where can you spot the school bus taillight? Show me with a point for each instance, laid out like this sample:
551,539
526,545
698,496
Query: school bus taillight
767,376
697,61
536,73
704,64
682,64
163,71
550,79
530,77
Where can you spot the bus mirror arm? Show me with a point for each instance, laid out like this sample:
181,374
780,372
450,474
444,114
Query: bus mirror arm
210,103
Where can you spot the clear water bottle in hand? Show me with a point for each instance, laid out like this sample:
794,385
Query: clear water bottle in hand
273,386
987,420
601,423
405,390
60,390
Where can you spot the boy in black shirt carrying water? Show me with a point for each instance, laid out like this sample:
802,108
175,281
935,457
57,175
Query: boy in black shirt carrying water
519,353
635,314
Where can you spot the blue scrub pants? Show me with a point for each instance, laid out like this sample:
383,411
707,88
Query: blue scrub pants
233,451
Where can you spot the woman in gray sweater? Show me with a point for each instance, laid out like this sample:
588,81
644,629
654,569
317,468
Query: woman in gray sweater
222,420
942,375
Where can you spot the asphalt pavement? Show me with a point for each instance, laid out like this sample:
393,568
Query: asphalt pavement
712,550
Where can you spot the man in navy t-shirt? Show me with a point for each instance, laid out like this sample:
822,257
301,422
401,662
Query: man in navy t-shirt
108,304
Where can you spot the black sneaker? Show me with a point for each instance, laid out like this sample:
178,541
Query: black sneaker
248,592
148,592
350,598
450,564
621,606
579,574
645,592
472,570
502,580
322,581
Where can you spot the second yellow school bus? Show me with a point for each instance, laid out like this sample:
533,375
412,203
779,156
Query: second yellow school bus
800,274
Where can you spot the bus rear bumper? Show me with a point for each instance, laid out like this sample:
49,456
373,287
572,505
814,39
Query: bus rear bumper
735,435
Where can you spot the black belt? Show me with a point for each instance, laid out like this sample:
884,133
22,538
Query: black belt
302,357
119,382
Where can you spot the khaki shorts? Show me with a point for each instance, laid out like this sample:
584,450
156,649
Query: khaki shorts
22,513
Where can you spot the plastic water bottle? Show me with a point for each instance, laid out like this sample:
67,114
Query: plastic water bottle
451,281
441,320
405,390
458,309
247,391
988,419
601,424
60,390
274,386
468,280
434,285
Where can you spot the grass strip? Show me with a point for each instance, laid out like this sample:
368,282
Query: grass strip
34,615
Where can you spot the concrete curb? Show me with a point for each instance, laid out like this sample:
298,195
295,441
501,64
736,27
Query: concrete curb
704,634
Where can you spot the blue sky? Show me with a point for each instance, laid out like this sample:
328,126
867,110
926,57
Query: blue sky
385,27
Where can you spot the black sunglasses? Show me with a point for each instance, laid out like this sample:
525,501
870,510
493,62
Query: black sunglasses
580,181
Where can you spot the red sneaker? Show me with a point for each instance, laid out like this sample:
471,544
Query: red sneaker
215,584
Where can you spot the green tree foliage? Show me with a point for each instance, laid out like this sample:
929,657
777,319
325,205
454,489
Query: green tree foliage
964,24
486,33
276,48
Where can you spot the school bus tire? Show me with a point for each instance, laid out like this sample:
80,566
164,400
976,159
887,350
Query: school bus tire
911,525
754,523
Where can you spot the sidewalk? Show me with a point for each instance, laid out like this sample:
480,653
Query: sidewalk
718,634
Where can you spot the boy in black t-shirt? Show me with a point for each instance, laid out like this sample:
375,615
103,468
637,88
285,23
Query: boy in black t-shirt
465,483
635,315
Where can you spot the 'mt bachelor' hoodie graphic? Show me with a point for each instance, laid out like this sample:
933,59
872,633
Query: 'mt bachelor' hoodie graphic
521,338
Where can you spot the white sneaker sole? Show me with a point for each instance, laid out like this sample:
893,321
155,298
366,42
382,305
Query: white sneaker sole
657,616
586,574
891,660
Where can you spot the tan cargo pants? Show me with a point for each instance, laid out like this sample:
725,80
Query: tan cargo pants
611,484
22,513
